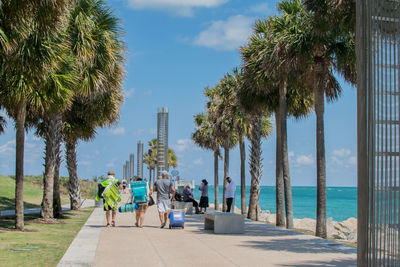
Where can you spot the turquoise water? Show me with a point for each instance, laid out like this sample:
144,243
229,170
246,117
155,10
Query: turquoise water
341,201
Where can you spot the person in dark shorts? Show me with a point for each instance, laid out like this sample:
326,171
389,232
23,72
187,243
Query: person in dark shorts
203,188
111,180
188,197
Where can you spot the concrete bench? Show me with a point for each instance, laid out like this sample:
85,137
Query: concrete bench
180,205
224,222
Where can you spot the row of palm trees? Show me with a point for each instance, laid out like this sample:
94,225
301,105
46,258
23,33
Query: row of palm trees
289,68
61,74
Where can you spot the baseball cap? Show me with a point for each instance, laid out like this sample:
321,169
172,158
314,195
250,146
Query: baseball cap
164,173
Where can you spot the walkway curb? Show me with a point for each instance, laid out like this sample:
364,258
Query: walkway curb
82,250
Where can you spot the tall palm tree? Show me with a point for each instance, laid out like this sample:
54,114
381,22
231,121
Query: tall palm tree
206,138
333,49
81,121
28,27
220,114
95,39
150,160
274,57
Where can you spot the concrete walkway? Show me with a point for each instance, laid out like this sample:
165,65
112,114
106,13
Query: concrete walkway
260,245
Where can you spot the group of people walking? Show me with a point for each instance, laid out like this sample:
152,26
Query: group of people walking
166,195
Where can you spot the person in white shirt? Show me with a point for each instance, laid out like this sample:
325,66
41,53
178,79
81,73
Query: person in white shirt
230,193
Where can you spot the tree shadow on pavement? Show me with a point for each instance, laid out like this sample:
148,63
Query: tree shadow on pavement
332,263
301,245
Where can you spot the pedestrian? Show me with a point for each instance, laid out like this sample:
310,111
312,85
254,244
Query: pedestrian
124,184
109,200
188,197
230,193
142,207
204,196
164,189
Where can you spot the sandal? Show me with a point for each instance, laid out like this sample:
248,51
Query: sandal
113,223
136,224
108,225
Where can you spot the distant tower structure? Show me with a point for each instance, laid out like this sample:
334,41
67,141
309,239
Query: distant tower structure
162,141
124,172
127,170
131,166
140,159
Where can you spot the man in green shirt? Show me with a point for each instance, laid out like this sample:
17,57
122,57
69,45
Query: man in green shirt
108,190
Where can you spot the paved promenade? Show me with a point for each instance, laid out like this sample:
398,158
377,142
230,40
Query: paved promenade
260,245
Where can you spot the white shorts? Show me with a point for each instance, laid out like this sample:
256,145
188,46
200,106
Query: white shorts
163,205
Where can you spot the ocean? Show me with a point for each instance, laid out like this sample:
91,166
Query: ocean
341,201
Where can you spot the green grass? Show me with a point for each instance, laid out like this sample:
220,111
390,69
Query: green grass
33,191
32,194
47,241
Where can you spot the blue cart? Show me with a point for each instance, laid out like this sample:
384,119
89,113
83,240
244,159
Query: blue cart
176,219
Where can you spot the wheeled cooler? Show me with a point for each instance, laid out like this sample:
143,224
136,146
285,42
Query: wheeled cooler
176,219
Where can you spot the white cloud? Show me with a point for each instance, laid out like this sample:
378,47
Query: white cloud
179,7
260,8
305,159
198,161
153,131
117,131
343,152
8,148
337,160
291,154
227,34
129,93
182,145
353,160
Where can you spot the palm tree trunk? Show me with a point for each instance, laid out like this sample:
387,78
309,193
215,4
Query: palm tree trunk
74,188
280,212
226,171
150,176
19,166
321,173
216,182
57,209
242,175
285,158
52,140
255,168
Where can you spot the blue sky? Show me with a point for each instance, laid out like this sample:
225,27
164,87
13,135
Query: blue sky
176,48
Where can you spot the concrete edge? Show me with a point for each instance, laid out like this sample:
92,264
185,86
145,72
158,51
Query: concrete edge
82,250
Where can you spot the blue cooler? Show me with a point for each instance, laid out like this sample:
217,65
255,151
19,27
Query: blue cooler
176,219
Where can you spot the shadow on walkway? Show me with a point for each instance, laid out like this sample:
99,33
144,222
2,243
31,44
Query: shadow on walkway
332,263
296,245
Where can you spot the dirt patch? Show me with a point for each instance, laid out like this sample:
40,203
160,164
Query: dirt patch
16,230
49,221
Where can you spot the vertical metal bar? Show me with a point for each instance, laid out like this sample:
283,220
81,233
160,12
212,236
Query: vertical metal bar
362,133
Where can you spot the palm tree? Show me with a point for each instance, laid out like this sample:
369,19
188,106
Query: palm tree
28,28
220,114
274,57
150,158
333,49
95,39
151,161
206,138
